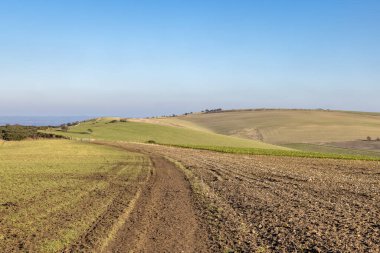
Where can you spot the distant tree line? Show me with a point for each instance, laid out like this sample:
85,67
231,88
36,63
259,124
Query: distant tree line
73,123
18,133
213,110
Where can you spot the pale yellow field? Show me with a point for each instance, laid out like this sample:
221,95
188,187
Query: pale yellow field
173,121
285,126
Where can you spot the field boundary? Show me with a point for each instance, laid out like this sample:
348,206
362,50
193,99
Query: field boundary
250,151
276,152
258,151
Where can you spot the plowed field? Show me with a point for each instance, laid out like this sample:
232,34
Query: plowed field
282,204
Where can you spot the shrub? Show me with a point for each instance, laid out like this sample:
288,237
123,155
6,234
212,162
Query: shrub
73,123
114,121
369,138
151,142
17,132
65,128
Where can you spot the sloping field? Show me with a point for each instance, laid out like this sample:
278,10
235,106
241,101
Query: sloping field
286,126
58,193
142,132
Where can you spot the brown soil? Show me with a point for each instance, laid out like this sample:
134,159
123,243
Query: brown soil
163,219
283,204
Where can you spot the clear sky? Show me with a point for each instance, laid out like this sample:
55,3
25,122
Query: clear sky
141,58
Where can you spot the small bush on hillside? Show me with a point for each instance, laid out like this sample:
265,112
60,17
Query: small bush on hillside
124,120
114,121
151,142
369,138
89,130
73,123
65,128
377,139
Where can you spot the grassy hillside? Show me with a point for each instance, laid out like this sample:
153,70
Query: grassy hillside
287,126
142,132
52,191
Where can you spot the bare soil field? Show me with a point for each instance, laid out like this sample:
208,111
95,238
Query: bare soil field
281,204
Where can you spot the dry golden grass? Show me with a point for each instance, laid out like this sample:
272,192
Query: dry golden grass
287,126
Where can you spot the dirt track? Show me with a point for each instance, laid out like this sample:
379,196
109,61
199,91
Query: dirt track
154,214
163,219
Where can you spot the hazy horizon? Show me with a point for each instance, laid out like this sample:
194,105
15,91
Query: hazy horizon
21,119
138,59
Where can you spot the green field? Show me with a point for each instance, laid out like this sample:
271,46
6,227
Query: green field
103,129
286,126
323,154
53,190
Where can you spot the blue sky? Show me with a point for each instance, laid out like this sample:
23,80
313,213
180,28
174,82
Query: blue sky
141,58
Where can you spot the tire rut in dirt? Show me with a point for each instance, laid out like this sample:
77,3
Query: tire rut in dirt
121,190
164,219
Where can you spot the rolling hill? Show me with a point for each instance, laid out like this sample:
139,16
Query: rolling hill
284,126
115,130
